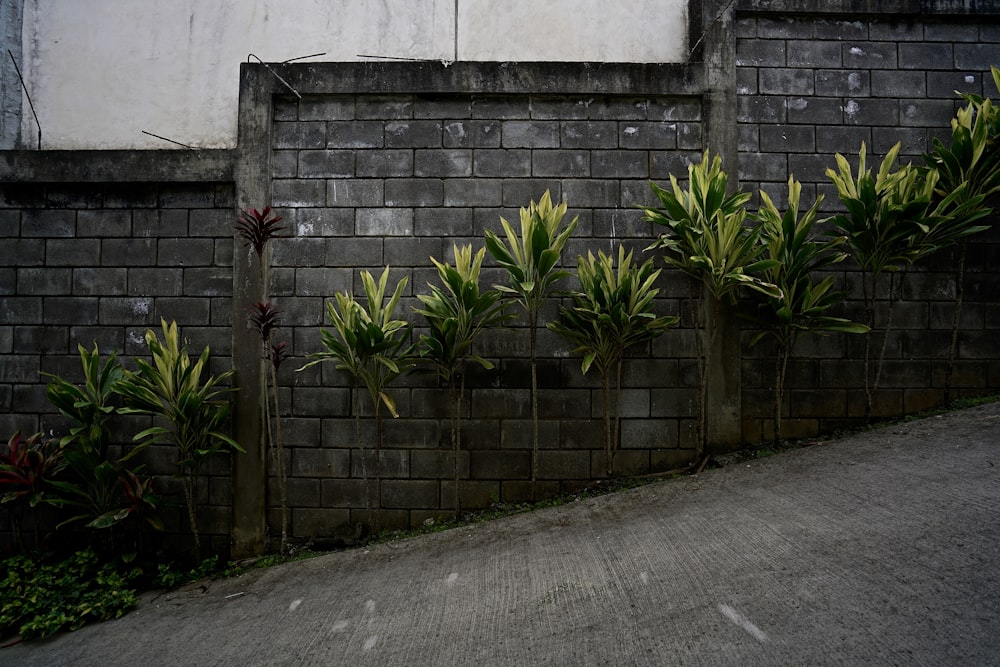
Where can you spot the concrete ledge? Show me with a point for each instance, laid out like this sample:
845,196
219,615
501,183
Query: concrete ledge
923,8
429,77
116,166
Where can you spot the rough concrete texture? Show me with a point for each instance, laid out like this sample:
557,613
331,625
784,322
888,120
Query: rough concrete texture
881,548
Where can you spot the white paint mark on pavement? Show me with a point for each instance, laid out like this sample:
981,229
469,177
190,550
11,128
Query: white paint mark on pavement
340,626
370,606
370,643
452,578
643,577
294,605
743,622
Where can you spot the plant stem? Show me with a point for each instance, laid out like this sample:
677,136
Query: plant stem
280,458
361,446
534,400
188,485
956,320
606,405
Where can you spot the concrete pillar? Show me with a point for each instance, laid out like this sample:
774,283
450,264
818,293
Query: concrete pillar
253,190
718,51
11,93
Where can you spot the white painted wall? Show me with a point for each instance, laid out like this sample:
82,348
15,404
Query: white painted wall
100,72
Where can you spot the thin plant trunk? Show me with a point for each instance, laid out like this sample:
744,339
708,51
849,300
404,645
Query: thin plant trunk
378,465
895,294
870,317
361,447
533,344
188,485
279,456
456,434
707,357
606,405
698,321
955,322
780,368
617,433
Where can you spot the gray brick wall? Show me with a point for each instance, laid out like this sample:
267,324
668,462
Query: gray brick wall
428,173
807,93
101,263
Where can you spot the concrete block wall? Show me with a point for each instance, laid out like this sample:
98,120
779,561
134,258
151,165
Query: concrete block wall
811,86
86,263
368,181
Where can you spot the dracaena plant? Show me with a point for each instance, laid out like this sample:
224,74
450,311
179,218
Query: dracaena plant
706,239
892,219
457,312
265,320
373,347
258,229
612,311
192,408
97,485
803,304
530,259
970,165
29,471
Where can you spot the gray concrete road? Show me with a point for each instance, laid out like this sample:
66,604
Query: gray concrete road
880,549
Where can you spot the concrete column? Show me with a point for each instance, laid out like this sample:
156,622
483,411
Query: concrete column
718,51
11,93
253,190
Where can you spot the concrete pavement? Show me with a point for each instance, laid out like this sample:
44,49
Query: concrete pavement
881,548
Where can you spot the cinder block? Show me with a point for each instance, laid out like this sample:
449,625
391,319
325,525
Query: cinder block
319,522
187,311
322,281
320,401
325,107
163,223
438,464
926,55
501,163
923,113
436,107
477,192
765,109
870,55
500,464
814,53
896,83
616,108
784,28
295,193
320,462
673,108
472,134
326,164
846,83
530,134
395,463
585,193
560,163
306,222
392,107
413,134
66,252
116,222
48,223
620,164
975,56
39,281
565,464
443,222
213,281
383,163
438,163
774,81
344,493
501,107
354,252
353,134
355,192
520,192
384,222
848,28
644,135
414,192
300,135
588,134
159,282
471,494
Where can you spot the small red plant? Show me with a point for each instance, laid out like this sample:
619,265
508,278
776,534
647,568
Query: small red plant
258,227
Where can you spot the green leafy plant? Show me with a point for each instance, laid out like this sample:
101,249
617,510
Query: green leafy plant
802,305
29,472
194,409
706,239
458,312
892,220
38,599
102,492
373,347
970,165
530,260
612,311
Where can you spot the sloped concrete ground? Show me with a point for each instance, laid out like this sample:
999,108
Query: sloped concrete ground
882,548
